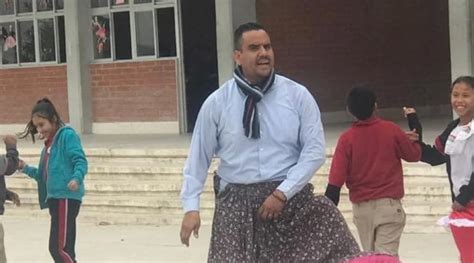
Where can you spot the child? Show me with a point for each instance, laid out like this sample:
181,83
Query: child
368,160
8,165
60,177
455,147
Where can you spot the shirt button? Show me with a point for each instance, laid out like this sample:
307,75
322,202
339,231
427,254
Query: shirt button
261,149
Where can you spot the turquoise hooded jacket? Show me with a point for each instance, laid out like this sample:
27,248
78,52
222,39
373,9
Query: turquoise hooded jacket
66,162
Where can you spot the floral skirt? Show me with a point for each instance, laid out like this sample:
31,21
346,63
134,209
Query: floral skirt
310,228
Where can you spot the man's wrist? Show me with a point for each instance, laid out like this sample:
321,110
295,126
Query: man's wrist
279,195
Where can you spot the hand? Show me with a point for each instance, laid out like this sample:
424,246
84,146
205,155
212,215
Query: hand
10,140
272,206
457,206
407,111
73,185
14,197
21,164
191,223
412,135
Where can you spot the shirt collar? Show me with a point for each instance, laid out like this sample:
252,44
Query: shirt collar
369,121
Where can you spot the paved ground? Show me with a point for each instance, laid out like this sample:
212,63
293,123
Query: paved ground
26,241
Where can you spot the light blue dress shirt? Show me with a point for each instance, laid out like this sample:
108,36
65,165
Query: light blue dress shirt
290,148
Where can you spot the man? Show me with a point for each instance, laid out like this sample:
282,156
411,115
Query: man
267,132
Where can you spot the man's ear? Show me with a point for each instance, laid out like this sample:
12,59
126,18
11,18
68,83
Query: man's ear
237,54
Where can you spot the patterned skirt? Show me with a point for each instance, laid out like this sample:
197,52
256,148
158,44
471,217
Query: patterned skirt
310,229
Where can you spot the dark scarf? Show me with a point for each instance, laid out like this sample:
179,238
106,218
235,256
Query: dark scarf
254,95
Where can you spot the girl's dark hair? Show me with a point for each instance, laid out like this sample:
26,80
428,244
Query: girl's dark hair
44,108
464,79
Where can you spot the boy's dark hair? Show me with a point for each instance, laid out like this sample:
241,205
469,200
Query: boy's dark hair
44,108
464,79
361,102
241,30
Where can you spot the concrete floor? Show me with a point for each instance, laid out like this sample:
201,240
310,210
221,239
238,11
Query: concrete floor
26,240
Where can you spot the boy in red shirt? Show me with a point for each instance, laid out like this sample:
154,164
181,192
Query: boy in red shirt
368,160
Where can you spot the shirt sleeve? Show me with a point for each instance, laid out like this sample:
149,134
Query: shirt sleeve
312,156
340,164
408,150
202,149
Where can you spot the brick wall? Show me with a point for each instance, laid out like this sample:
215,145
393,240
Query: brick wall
134,91
401,48
22,87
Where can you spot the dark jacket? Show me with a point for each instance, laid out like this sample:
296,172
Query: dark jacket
434,155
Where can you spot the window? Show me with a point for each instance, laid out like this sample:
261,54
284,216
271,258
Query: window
166,32
6,7
44,5
123,44
144,30
119,2
101,36
99,3
26,43
8,43
133,29
24,6
46,39
32,31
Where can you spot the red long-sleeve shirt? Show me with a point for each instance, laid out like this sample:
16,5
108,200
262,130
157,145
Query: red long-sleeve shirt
368,160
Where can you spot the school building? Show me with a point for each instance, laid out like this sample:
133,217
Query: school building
146,66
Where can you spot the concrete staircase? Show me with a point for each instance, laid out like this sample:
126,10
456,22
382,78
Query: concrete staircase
127,186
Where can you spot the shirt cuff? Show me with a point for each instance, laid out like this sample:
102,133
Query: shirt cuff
190,205
287,190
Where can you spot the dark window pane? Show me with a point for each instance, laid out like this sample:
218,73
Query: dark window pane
8,43
26,40
166,32
59,4
46,40
145,33
62,39
101,36
122,36
142,1
99,3
6,7
24,6
44,5
119,2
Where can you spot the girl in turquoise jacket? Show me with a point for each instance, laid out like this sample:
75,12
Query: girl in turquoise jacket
60,176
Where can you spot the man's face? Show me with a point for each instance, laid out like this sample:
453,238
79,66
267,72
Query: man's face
255,56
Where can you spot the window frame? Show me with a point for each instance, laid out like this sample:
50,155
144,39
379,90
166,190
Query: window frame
34,16
133,8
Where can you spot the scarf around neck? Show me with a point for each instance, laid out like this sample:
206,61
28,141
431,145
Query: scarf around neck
254,94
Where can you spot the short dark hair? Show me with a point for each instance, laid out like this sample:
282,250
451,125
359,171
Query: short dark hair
361,102
250,26
464,79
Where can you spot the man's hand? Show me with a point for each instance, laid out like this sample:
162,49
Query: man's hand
457,206
10,141
191,224
273,206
